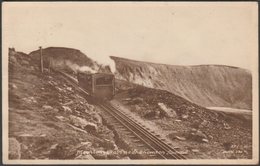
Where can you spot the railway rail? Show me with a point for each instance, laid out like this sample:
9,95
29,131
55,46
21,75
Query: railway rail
150,141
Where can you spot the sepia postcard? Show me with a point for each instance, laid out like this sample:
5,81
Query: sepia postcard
130,83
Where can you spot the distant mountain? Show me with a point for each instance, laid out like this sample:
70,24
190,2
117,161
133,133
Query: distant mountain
61,57
205,85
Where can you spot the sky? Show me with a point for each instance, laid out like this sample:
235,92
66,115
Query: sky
167,32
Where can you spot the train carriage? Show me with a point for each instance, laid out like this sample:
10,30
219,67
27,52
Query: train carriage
98,85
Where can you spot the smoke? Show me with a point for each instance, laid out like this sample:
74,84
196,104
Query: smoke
102,60
112,65
72,66
107,61
77,68
98,66
86,69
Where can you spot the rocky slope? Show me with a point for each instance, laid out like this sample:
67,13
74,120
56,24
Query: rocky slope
199,133
206,85
48,119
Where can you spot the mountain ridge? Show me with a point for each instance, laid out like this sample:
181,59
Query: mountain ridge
206,85
68,58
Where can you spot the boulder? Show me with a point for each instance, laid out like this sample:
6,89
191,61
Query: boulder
24,147
210,137
24,62
204,123
91,127
13,86
43,135
226,126
157,114
97,118
85,156
66,109
108,145
30,100
180,138
184,116
32,68
59,89
137,100
126,99
80,107
193,130
198,136
205,140
183,152
195,150
54,146
168,112
83,124
14,149
61,118
86,143
100,154
68,103
47,107
90,108
56,110
57,152
172,135
69,88
227,145
150,114
137,108
25,135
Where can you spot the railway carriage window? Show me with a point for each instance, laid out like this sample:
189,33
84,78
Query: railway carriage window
104,80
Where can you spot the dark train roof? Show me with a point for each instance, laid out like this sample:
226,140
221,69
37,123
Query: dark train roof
95,73
103,74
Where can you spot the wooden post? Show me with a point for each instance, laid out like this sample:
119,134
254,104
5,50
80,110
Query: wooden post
41,57
50,64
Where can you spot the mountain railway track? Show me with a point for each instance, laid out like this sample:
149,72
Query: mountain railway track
149,140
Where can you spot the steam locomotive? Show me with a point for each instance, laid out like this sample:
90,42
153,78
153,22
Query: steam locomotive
98,85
